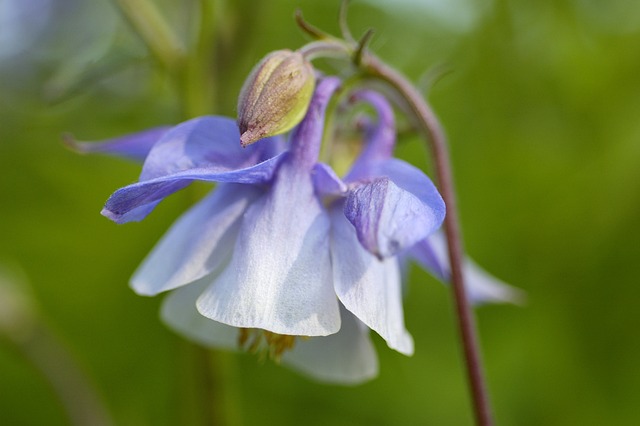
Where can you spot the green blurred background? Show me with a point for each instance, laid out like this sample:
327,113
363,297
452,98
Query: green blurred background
541,108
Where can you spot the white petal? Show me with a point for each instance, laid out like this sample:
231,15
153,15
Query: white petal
368,287
198,243
279,278
347,357
180,314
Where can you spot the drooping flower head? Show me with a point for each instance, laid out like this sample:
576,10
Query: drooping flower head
284,255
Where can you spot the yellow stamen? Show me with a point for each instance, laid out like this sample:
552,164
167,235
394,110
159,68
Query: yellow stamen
265,343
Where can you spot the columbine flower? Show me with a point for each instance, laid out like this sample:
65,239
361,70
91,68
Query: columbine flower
285,256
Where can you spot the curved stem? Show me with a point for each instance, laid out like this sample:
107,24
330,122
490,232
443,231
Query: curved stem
342,20
431,127
325,48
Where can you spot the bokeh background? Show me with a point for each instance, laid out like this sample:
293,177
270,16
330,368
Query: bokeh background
540,102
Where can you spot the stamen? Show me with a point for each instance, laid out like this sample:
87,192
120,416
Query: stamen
265,343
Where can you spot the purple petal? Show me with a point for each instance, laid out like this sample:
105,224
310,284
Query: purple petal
307,136
272,146
389,219
380,138
412,179
135,146
425,254
125,205
279,278
327,182
133,214
481,286
209,142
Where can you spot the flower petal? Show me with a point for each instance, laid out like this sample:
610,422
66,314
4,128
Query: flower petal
413,180
180,314
389,219
134,202
347,357
327,182
204,148
307,136
425,254
368,287
480,285
209,142
280,273
198,243
380,137
121,206
135,146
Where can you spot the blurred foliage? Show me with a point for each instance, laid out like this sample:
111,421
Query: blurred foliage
541,110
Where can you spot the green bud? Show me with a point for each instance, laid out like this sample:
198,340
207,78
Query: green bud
275,96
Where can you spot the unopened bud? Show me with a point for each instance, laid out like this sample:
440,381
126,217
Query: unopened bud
275,96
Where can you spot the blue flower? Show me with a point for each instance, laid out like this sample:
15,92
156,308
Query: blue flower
302,262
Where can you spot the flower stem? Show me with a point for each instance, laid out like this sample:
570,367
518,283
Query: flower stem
431,127
428,123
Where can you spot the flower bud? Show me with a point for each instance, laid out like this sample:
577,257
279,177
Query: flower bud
275,96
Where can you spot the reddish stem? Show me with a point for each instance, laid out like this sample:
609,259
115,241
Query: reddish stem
431,127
